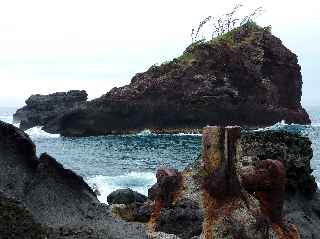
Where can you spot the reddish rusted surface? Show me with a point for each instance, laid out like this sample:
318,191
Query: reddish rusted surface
219,157
164,192
209,205
286,232
267,181
220,183
152,224
168,183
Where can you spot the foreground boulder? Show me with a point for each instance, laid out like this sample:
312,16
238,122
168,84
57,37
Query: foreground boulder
56,201
40,109
126,196
246,77
16,220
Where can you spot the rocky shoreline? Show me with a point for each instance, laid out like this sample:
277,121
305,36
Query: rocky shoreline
39,198
244,184
284,206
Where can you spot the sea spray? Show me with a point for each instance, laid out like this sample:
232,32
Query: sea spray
37,132
137,181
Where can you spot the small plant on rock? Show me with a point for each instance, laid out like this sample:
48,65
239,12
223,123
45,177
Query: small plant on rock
223,24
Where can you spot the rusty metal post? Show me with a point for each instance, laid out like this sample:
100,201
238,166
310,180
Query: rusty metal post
220,181
219,160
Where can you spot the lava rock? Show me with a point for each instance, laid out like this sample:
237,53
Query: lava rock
40,109
253,80
301,203
16,220
184,219
126,196
293,150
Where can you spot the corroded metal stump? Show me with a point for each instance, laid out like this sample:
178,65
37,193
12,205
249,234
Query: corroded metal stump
243,203
218,162
230,211
220,184
164,192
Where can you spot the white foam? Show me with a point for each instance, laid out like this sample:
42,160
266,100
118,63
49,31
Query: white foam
278,125
137,181
37,132
188,134
7,119
145,132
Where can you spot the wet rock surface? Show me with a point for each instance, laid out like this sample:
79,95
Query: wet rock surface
250,80
40,109
52,196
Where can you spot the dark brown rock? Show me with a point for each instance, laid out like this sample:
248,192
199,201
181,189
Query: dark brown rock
250,80
267,181
184,219
168,183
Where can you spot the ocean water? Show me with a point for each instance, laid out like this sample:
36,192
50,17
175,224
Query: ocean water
112,162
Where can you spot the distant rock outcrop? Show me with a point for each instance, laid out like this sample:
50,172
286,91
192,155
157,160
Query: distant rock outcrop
40,198
246,77
41,109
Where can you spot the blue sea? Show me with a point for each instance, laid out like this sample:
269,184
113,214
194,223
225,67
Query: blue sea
112,162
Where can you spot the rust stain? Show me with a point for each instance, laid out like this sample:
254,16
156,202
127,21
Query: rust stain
290,232
152,224
267,182
220,185
165,192
209,205
211,159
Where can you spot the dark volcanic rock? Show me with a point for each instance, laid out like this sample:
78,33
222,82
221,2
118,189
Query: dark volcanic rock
41,109
18,160
248,79
126,196
16,221
184,219
52,196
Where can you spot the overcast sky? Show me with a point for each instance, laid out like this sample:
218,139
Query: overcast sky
48,46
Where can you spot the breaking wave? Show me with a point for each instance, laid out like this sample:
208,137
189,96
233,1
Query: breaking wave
137,181
37,132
